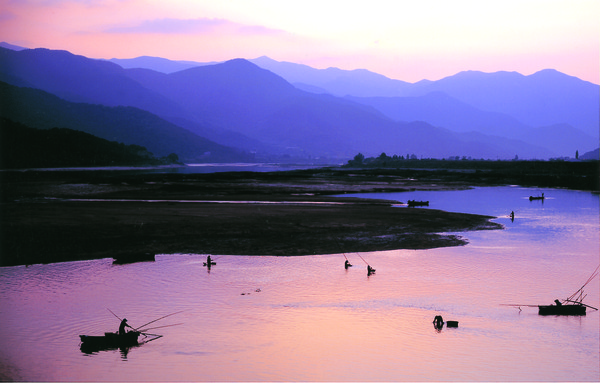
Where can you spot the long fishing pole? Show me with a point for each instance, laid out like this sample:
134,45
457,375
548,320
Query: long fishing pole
154,328
136,329
344,254
594,274
113,313
363,259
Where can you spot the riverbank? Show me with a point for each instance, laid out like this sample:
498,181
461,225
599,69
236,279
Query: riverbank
63,216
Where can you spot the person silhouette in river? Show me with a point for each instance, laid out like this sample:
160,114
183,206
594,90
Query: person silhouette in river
438,322
122,327
370,270
512,216
208,260
347,264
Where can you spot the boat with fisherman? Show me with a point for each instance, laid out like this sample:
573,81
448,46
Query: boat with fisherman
121,339
532,198
572,305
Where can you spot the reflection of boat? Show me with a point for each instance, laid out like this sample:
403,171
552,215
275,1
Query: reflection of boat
132,258
417,203
109,341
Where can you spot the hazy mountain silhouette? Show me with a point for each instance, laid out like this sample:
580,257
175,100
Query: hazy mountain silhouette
338,82
38,109
158,64
439,109
11,46
261,105
544,98
593,155
80,79
239,99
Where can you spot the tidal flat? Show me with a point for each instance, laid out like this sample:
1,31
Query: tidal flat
55,216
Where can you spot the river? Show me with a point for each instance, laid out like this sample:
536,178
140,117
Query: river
252,318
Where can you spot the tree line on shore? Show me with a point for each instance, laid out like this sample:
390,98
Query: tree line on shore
411,160
572,174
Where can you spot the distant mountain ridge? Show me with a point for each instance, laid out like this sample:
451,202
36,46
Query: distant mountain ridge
545,98
535,100
239,102
11,46
439,109
158,64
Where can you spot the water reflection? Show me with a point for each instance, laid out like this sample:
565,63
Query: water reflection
310,318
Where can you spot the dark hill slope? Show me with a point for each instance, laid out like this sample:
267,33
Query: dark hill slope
24,147
129,125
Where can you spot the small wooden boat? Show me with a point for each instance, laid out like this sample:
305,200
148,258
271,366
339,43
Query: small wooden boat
452,323
109,341
532,198
417,203
211,264
133,258
560,309
573,305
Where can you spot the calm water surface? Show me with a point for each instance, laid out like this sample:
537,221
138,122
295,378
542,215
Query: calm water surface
309,319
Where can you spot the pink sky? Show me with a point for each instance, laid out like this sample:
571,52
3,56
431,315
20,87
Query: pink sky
402,39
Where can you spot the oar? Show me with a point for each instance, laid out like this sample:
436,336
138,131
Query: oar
136,329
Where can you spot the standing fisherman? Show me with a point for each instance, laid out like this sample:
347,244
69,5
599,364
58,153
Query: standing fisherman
347,264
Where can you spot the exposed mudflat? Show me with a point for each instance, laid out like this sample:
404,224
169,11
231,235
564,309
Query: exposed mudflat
60,216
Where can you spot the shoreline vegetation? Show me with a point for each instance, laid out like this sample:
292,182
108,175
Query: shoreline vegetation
55,216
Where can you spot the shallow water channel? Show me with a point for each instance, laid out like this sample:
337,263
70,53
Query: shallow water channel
252,318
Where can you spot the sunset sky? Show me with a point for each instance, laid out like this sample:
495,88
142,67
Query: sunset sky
402,39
